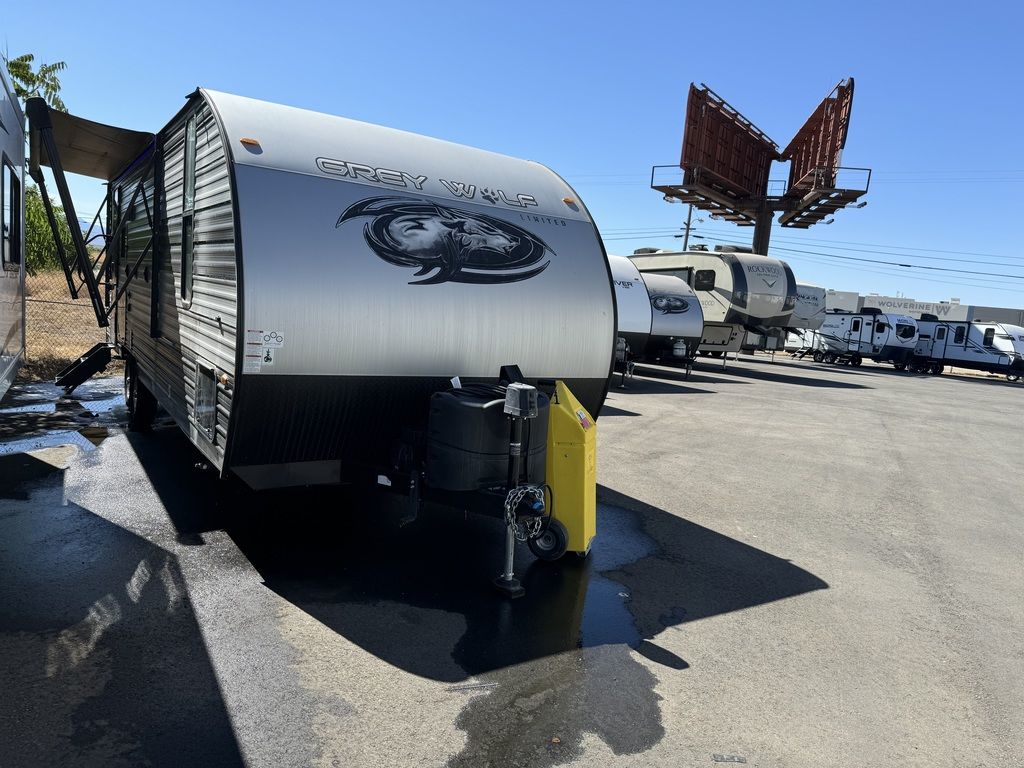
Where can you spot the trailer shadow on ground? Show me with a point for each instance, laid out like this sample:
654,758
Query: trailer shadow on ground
647,384
103,659
741,371
420,598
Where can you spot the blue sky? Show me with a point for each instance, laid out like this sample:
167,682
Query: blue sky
597,91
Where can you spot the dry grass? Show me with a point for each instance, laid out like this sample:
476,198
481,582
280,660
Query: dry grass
58,328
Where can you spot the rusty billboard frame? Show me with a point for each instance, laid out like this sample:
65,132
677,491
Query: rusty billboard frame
815,152
722,150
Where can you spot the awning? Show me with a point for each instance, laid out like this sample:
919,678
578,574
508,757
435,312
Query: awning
84,147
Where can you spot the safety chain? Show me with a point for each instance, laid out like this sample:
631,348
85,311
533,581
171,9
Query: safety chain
530,527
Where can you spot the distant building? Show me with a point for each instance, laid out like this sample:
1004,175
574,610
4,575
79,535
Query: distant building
850,301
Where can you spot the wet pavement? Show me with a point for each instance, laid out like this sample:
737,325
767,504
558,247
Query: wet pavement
154,614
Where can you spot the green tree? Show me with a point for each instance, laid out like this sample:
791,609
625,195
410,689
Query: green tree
40,249
44,82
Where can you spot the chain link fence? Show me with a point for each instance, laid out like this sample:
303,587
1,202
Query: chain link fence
58,329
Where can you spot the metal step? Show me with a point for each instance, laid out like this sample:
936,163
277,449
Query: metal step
85,367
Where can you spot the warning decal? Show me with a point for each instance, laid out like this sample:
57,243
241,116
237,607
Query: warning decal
261,349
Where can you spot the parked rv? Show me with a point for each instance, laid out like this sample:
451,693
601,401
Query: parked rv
738,292
659,316
808,316
297,290
849,338
12,238
979,346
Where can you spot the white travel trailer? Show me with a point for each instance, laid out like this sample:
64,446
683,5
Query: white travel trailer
738,292
979,346
12,239
659,316
808,316
297,289
850,338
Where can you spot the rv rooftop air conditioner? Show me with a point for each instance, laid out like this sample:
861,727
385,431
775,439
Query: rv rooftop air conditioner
931,318
700,247
734,249
640,251
871,311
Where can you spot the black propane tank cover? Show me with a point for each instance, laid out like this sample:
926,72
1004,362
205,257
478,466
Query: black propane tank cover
468,435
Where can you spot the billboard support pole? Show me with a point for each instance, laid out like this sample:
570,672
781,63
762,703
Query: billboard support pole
763,229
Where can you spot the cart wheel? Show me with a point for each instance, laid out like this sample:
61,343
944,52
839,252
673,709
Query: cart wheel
138,399
856,360
818,356
552,543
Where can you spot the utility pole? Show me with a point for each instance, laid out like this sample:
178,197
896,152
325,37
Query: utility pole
686,238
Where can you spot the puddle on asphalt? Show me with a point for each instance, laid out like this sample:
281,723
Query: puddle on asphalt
40,415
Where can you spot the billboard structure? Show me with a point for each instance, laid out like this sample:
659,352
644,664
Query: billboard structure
726,160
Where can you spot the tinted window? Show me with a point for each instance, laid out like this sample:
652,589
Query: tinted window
904,331
940,334
704,280
958,337
856,325
10,216
188,208
880,327
990,334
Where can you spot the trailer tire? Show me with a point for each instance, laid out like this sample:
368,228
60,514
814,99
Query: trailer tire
139,401
900,366
936,369
856,360
552,543
1012,377
829,358
818,356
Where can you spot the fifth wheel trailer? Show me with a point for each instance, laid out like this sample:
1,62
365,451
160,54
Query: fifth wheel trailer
738,292
979,346
297,290
12,242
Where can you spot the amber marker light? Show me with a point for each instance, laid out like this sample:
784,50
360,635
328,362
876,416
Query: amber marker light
249,142
568,201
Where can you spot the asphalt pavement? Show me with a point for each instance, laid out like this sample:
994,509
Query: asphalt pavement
796,565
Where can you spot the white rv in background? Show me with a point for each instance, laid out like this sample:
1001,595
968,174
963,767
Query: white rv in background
871,334
12,239
659,316
980,346
808,316
738,291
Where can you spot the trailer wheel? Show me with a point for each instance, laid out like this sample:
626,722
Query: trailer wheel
1012,377
856,360
552,543
818,356
139,401
829,358
900,366
937,369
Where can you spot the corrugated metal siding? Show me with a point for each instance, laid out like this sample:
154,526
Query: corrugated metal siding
204,332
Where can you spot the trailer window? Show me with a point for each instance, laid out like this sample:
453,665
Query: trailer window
958,337
904,331
188,204
940,334
880,327
990,335
187,249
189,198
10,220
704,280
855,326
